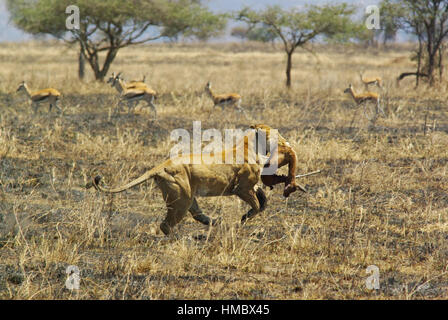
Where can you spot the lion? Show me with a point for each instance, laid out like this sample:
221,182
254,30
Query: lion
181,180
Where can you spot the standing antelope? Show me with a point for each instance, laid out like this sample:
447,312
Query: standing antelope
45,95
131,85
371,81
132,94
365,97
222,100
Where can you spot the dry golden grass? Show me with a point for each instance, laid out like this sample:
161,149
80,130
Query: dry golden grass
381,199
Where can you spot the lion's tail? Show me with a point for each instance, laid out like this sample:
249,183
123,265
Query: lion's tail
146,176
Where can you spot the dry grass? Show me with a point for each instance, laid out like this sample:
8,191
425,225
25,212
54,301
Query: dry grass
381,200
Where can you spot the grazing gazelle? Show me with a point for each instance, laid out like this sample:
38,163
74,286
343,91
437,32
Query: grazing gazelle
222,100
132,95
371,81
365,97
49,95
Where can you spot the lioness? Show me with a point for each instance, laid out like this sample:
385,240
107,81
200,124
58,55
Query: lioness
181,181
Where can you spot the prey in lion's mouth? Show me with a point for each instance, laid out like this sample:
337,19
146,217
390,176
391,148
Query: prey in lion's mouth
285,156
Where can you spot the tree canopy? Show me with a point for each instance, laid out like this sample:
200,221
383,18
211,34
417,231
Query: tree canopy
391,14
296,27
428,21
109,25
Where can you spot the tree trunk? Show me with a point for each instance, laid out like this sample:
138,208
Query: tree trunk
431,62
93,59
431,49
419,62
81,65
441,50
288,68
111,54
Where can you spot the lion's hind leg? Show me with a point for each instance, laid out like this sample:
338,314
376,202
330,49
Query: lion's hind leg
175,213
177,202
198,215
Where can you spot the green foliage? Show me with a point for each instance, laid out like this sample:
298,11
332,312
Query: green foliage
391,16
428,20
128,17
365,36
335,21
38,18
262,33
108,25
296,27
239,32
257,33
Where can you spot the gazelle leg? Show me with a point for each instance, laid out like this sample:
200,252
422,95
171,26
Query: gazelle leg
153,107
241,109
134,105
119,107
239,105
381,109
57,106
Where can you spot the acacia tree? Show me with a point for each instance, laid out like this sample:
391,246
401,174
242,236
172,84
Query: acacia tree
295,28
239,32
109,25
391,14
261,34
428,21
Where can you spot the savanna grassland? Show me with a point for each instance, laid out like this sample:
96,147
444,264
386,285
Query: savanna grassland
381,198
